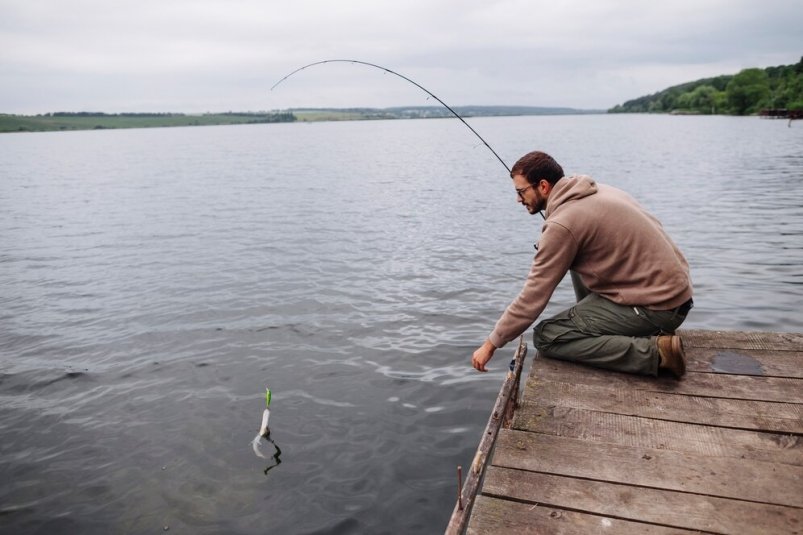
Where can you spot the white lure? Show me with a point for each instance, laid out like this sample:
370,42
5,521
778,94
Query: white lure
264,430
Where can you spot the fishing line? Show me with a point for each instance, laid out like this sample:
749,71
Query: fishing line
421,87
579,289
424,89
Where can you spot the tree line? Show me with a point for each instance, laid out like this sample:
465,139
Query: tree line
746,93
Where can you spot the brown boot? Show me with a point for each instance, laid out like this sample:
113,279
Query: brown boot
673,358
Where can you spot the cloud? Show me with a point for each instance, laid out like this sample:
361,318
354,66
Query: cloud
209,55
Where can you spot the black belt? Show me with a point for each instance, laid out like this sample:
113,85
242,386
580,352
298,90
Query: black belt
685,307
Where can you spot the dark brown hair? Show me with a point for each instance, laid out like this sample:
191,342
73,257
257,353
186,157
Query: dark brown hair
536,166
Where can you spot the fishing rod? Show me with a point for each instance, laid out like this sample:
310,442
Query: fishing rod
421,87
424,89
580,290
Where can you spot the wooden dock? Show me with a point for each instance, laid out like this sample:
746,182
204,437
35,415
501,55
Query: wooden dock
592,451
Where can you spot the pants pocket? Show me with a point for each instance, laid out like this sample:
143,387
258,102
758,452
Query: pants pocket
564,327
583,324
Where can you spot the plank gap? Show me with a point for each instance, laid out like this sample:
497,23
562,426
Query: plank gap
627,485
519,427
601,427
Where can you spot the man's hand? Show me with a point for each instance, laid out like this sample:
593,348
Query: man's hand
482,355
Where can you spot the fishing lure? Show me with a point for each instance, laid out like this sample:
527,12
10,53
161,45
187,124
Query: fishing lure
264,431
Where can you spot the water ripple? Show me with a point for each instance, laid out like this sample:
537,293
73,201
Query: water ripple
153,282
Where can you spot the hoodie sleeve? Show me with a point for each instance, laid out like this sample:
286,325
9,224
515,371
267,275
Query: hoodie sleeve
556,251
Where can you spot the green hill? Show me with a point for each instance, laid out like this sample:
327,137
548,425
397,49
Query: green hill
745,93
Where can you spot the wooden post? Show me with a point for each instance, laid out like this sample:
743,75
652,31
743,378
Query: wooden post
460,487
505,402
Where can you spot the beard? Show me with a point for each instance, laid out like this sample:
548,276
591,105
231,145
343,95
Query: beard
537,206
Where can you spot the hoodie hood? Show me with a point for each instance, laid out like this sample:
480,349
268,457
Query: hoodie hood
567,189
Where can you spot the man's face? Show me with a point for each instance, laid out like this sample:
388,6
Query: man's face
528,194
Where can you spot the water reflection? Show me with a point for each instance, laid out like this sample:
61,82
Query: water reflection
275,457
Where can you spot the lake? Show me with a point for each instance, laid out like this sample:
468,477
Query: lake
153,282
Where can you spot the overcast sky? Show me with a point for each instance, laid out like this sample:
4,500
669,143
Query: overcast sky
216,55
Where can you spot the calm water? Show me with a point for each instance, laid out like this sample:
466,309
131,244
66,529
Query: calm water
153,282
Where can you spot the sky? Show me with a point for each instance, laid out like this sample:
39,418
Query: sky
196,56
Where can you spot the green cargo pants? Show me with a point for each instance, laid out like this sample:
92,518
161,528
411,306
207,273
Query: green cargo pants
600,333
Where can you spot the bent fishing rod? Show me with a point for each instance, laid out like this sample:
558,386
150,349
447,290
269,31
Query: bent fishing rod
580,290
422,88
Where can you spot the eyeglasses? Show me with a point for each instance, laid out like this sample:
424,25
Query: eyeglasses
520,191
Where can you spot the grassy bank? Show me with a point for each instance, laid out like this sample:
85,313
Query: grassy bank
332,115
99,121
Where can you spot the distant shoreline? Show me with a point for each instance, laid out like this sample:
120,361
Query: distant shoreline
67,121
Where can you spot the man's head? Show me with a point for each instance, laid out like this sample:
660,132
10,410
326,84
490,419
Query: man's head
536,166
533,177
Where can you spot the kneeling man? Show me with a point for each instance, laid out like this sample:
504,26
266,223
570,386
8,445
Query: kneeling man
639,283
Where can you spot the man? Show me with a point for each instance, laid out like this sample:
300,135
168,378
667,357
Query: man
639,283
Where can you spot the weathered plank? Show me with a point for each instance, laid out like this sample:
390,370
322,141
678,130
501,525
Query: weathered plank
505,403
742,340
605,427
780,389
765,482
502,517
736,413
742,362
678,509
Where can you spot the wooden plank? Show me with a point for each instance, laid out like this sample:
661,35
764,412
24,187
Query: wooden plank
678,509
778,389
784,418
742,362
742,340
502,517
609,428
467,494
765,482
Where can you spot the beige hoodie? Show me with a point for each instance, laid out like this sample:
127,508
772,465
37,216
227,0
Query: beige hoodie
620,251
